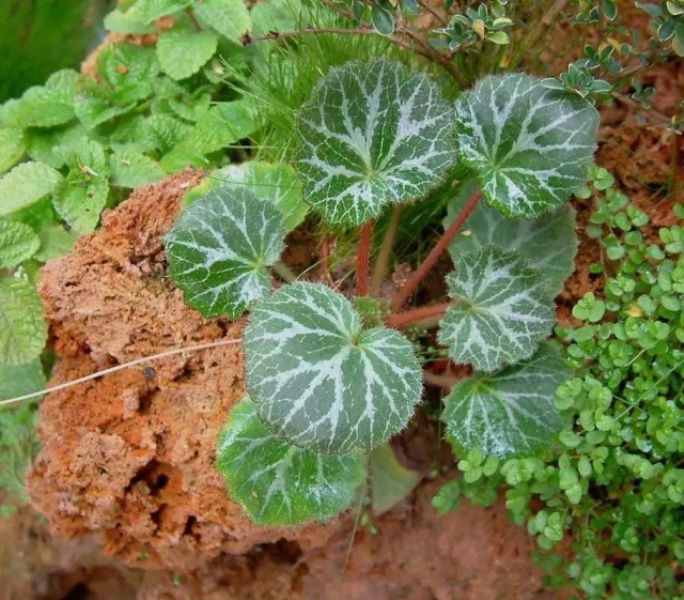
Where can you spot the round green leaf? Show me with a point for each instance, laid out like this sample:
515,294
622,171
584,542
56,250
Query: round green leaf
510,412
274,182
319,380
277,483
548,243
372,133
501,313
229,17
131,169
25,184
23,331
220,248
18,242
182,53
529,145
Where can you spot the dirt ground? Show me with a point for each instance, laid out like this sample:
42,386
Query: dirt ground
131,505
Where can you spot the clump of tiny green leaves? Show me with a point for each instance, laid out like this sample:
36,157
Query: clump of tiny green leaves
613,482
326,384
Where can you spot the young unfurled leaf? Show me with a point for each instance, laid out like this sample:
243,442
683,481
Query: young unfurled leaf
25,184
319,380
23,331
12,147
220,249
18,242
280,484
510,412
183,53
390,481
530,146
548,243
501,313
229,17
274,182
372,133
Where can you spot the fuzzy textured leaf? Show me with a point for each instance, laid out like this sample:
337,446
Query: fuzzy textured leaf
319,380
131,169
530,146
23,331
548,243
17,380
510,412
372,133
220,248
277,483
12,147
18,242
274,182
229,17
47,105
25,184
502,310
183,53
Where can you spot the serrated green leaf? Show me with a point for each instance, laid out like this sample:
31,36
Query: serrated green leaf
276,15
280,484
319,380
502,310
148,11
548,243
18,242
390,481
17,380
131,169
49,145
23,331
371,134
510,412
183,53
224,124
25,184
220,248
127,71
529,145
165,131
229,17
275,182
12,147
47,105
55,241
129,22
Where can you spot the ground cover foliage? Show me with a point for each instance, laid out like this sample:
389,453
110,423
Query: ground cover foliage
361,124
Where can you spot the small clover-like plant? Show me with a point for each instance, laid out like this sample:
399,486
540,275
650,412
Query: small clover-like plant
328,383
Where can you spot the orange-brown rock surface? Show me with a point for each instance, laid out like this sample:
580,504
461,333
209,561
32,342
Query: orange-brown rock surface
130,455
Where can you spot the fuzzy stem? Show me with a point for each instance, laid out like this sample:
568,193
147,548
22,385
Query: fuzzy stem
363,258
121,367
432,313
382,262
419,274
284,272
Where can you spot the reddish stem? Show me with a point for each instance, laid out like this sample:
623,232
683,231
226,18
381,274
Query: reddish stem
325,257
363,259
406,318
419,274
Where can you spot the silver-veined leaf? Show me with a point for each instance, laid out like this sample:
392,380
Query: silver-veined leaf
277,483
18,242
319,380
502,310
220,248
510,412
548,243
529,145
23,331
372,133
